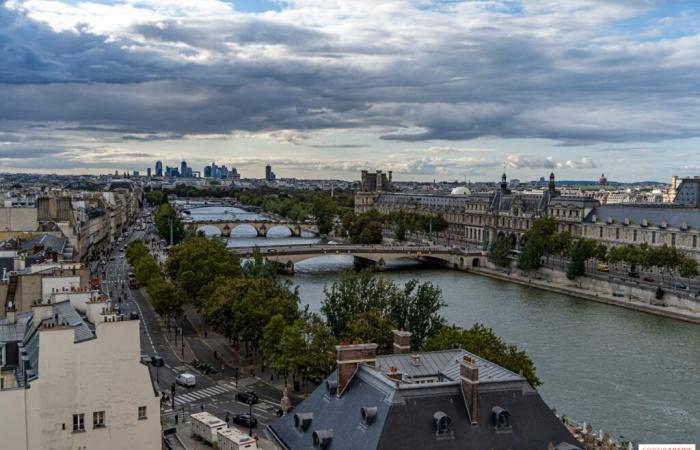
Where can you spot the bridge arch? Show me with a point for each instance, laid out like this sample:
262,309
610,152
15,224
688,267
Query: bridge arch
279,231
243,230
209,231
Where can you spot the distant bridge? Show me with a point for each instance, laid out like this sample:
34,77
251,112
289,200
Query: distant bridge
366,255
262,227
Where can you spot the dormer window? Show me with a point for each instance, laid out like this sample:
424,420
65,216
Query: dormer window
500,419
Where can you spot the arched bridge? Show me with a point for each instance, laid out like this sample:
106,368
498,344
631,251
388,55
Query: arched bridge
261,226
366,255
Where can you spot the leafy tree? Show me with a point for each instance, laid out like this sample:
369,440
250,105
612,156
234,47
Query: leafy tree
499,253
324,210
483,342
257,266
560,243
135,251
165,298
688,268
582,251
271,345
156,198
532,253
417,309
353,294
240,308
309,346
371,234
372,326
146,270
165,218
400,227
197,262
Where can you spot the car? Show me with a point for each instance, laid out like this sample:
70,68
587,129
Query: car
247,397
157,361
681,286
648,279
186,379
602,267
633,274
133,315
245,420
145,359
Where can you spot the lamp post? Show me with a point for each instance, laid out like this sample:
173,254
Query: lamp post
250,417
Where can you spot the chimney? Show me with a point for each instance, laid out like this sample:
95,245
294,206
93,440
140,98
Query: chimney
469,379
402,342
378,181
349,357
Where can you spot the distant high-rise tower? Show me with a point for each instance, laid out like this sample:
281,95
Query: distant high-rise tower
269,174
148,172
603,181
159,168
183,169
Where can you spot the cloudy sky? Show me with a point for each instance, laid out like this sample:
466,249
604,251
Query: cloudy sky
442,89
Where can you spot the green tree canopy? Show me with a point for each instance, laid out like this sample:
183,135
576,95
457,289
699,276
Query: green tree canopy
483,342
166,218
165,298
198,261
499,253
146,269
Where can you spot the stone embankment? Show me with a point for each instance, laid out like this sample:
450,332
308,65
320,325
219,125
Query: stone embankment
601,291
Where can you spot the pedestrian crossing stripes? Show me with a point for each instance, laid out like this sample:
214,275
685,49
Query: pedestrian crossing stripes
201,394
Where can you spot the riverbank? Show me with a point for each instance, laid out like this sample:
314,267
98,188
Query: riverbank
568,289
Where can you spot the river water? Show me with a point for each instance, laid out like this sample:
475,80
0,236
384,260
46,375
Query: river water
629,373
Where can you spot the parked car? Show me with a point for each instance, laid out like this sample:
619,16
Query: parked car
649,279
245,420
679,285
602,267
157,361
633,274
247,397
186,379
133,315
145,359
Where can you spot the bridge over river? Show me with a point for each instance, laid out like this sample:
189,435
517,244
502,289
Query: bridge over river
261,226
366,255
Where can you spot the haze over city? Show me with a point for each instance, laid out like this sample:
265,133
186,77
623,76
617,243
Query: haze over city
323,89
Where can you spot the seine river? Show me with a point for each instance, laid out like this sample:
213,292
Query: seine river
632,374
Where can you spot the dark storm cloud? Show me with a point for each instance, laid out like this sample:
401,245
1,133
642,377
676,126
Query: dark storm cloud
426,75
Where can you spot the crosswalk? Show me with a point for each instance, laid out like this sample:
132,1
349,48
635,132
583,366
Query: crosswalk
202,394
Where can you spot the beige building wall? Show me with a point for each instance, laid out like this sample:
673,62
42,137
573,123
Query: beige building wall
102,374
18,219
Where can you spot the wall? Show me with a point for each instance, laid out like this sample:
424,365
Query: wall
87,377
12,419
57,284
18,219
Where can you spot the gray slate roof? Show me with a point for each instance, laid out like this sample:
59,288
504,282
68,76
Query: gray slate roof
655,215
404,418
48,241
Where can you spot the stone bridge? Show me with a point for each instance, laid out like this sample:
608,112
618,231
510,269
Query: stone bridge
261,226
367,255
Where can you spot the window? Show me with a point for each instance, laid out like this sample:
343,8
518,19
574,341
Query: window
78,422
695,241
617,233
635,236
653,237
673,239
142,413
600,232
98,419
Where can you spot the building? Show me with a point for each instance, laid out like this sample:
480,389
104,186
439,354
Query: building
159,168
269,174
62,380
148,172
430,400
687,193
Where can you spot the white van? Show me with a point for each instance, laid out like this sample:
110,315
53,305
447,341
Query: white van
186,379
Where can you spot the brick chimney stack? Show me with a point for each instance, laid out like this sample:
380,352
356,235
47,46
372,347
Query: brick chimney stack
469,379
349,357
402,342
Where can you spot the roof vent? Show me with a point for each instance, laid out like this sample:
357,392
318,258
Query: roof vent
369,413
415,359
664,224
441,422
627,220
594,218
684,226
302,421
645,223
331,386
610,219
322,438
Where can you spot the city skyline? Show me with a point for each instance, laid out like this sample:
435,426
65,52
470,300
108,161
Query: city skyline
431,90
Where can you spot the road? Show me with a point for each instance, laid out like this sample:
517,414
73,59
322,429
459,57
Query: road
215,394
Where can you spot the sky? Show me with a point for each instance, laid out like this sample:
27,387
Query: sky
442,89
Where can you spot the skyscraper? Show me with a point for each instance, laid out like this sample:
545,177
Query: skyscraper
148,172
183,169
269,174
159,168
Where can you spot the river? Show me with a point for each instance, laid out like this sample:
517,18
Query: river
629,373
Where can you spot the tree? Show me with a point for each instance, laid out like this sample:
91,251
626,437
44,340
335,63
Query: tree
539,243
400,227
417,309
135,251
483,342
499,253
531,255
166,219
309,344
688,268
165,298
240,308
146,270
560,243
257,266
582,250
372,326
371,234
353,294
198,261
271,345
324,210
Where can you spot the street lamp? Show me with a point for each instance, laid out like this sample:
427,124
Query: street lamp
250,417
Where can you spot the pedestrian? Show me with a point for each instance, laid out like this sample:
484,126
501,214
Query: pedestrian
201,407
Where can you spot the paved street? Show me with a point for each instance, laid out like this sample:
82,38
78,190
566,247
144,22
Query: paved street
215,393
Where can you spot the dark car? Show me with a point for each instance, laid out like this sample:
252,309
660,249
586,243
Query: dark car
633,275
681,286
157,361
247,397
649,279
245,420
133,315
